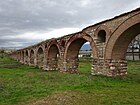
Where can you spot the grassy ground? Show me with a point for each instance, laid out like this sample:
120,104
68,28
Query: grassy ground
24,85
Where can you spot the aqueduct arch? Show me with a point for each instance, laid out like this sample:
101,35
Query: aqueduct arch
53,54
72,50
40,57
120,39
26,57
32,56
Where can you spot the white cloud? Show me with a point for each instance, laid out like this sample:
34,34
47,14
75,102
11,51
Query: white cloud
25,22
61,32
72,12
45,35
84,3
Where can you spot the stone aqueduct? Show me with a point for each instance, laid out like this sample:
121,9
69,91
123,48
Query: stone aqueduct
109,41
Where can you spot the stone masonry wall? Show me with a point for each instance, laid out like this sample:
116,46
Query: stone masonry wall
109,67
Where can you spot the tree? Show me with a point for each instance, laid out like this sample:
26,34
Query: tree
2,53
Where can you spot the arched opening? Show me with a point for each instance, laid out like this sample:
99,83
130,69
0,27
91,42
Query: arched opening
26,57
22,56
32,57
102,36
18,56
121,44
85,58
77,56
53,57
40,57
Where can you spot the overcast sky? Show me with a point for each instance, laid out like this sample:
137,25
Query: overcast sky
26,22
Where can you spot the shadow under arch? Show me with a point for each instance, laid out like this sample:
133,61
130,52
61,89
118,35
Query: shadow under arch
53,55
26,58
32,56
40,57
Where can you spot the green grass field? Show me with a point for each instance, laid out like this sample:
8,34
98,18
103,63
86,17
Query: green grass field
24,85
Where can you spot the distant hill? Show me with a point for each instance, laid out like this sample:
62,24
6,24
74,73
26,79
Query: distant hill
86,47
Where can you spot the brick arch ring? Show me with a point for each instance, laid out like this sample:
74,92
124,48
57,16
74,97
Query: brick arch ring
54,42
130,22
85,36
